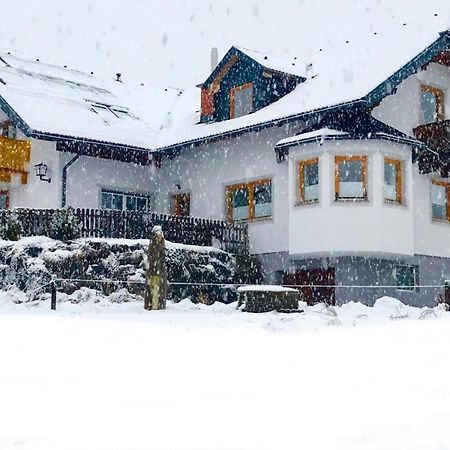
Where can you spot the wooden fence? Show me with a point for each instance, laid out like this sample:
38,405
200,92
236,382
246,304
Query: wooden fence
104,223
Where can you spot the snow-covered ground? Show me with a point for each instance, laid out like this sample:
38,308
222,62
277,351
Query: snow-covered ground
113,376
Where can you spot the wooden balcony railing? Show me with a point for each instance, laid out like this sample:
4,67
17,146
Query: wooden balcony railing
14,157
106,223
436,136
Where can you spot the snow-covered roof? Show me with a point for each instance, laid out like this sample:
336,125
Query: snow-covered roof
344,72
64,102
316,135
285,64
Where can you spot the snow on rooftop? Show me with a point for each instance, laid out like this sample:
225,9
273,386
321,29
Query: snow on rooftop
323,132
286,64
345,71
67,102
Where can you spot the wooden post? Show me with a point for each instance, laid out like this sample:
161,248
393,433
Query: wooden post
447,292
53,299
156,276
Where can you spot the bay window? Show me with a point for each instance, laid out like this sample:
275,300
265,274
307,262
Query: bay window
249,201
351,178
308,181
393,181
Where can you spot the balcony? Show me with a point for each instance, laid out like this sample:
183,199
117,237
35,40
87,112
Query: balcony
436,136
14,157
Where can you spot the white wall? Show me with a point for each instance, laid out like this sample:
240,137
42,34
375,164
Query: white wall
350,227
87,176
205,171
402,110
36,193
431,237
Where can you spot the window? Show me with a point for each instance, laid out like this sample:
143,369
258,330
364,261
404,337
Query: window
123,201
7,129
249,201
106,112
181,204
308,181
440,200
241,100
351,177
4,199
432,103
393,183
407,277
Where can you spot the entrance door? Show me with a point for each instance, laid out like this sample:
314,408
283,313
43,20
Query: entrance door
181,204
312,284
4,199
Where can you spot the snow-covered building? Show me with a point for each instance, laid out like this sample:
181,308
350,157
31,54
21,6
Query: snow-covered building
338,161
337,158
70,138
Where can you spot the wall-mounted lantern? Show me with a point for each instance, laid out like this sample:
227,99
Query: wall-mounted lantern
42,171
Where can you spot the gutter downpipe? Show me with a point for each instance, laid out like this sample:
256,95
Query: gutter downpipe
64,180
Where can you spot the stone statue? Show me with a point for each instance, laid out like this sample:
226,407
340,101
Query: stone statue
156,276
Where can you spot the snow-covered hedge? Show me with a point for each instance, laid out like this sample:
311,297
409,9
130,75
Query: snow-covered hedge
33,262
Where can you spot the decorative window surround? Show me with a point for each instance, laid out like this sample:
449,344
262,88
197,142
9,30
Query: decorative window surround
440,200
249,201
393,181
350,178
308,181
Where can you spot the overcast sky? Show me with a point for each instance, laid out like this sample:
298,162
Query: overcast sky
170,40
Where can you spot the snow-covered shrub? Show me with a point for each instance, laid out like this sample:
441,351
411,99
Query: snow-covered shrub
65,225
12,228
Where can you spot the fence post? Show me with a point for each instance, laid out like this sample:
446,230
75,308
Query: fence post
53,299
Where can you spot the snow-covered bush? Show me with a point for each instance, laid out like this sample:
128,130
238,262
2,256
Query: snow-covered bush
65,225
11,230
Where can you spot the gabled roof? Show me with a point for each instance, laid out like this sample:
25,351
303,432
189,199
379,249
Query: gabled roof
347,73
51,102
287,66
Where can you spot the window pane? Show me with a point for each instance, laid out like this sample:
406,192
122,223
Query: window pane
141,204
405,277
117,201
131,203
390,181
3,201
243,102
351,183
106,200
429,106
439,201
311,182
263,200
240,203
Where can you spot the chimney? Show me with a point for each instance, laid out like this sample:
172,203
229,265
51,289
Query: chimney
214,58
118,77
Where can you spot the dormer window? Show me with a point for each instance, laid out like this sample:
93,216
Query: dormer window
432,104
241,100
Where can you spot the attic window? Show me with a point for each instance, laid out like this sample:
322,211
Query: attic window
241,100
106,111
